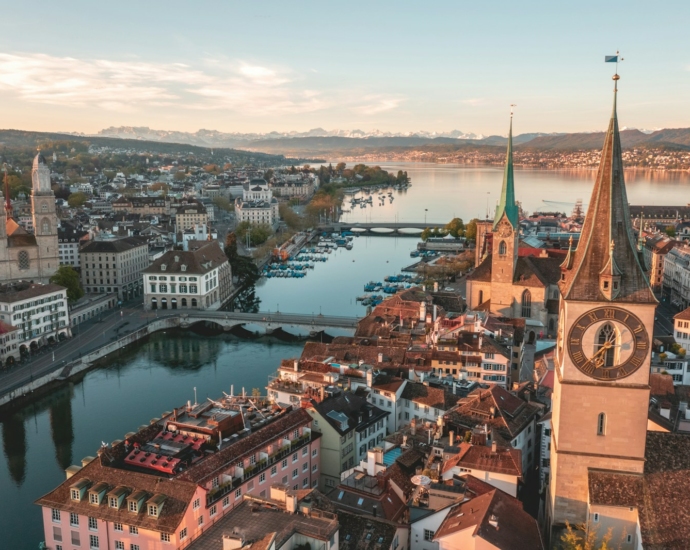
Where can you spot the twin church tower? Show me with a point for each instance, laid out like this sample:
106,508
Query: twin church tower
599,304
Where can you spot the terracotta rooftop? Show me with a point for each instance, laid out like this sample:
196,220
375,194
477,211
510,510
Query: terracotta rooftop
25,291
479,457
683,315
495,517
196,262
426,395
112,246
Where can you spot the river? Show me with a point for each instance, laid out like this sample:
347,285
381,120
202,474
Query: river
41,439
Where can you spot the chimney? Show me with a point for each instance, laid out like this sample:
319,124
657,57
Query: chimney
413,426
290,502
494,446
295,365
435,286
370,378
451,438
422,311
380,357
435,313
322,393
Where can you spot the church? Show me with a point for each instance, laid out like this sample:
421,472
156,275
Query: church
509,280
610,469
25,256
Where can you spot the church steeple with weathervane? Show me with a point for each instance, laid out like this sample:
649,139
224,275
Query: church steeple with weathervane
601,388
507,205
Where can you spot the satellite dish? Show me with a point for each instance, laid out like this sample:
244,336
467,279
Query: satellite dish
424,481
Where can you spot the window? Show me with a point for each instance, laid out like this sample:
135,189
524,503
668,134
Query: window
601,424
93,541
502,248
429,535
262,477
74,519
117,527
200,520
119,545
153,510
305,467
213,510
183,534
56,515
133,547
238,493
274,470
629,538
295,457
76,540
112,502
74,493
526,304
295,473
284,464
93,523
165,537
314,468
314,452
23,261
133,530
596,518
607,338
196,504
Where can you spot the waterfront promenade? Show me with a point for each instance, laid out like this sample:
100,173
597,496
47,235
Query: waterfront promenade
128,321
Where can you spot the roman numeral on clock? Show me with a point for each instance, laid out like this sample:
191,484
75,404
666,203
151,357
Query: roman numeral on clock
578,357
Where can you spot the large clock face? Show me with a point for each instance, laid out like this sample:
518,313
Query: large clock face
608,343
504,229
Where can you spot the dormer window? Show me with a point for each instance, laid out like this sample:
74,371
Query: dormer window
133,506
113,503
74,494
93,498
153,511
183,267
163,266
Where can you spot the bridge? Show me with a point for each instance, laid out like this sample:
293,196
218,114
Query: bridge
267,320
385,227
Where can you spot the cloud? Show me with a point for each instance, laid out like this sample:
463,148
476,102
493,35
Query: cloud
135,85
374,104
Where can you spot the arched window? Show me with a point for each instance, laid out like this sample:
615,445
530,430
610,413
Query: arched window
44,207
45,226
193,302
526,304
23,259
154,303
607,338
481,297
601,424
184,302
502,248
164,303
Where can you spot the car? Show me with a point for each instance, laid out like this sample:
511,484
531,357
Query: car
449,289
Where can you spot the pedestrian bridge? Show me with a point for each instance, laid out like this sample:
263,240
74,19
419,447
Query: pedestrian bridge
269,321
402,228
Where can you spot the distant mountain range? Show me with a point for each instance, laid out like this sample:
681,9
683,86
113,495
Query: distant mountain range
329,142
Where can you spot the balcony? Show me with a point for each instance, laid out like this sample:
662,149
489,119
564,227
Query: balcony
255,469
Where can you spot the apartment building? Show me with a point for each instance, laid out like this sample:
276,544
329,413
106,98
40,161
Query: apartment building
190,215
676,276
198,278
69,240
166,485
114,266
38,312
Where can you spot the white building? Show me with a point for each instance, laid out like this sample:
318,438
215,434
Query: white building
676,276
257,205
39,312
9,347
198,278
69,240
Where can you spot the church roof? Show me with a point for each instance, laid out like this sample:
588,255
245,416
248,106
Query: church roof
39,159
607,225
507,204
529,271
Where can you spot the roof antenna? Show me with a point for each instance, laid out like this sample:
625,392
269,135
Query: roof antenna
195,401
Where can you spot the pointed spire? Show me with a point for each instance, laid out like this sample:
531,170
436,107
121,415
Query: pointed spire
607,222
507,204
640,235
568,262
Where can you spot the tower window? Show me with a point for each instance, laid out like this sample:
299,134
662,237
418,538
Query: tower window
481,296
526,304
502,248
23,259
601,424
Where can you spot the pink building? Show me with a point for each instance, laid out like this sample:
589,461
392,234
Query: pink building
164,486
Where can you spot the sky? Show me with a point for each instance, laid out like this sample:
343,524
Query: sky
396,66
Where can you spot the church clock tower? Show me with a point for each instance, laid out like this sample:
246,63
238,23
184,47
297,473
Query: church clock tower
44,218
601,388
505,239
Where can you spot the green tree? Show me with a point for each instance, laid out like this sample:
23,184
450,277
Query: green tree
670,231
455,227
223,204
290,217
69,278
340,167
268,175
471,230
426,234
77,200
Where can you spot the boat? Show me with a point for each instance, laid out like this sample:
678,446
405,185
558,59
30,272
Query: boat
348,246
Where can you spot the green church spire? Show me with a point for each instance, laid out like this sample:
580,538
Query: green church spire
507,205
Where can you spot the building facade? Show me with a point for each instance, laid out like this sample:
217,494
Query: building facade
199,278
23,255
114,266
676,277
257,205
190,215
39,312
69,241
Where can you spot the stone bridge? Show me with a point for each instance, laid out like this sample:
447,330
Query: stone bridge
398,228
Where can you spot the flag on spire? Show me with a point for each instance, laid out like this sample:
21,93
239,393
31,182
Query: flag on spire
611,59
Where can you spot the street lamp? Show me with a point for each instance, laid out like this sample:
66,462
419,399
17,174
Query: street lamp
425,211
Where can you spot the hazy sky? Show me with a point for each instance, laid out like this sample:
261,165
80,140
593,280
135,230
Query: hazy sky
257,66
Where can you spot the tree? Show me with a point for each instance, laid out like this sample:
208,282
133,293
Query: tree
223,204
471,230
340,167
456,227
426,234
670,231
268,175
290,217
69,278
243,267
256,392
582,538
77,200
258,234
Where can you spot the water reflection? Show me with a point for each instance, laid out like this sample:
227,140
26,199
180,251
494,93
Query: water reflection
61,427
14,446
